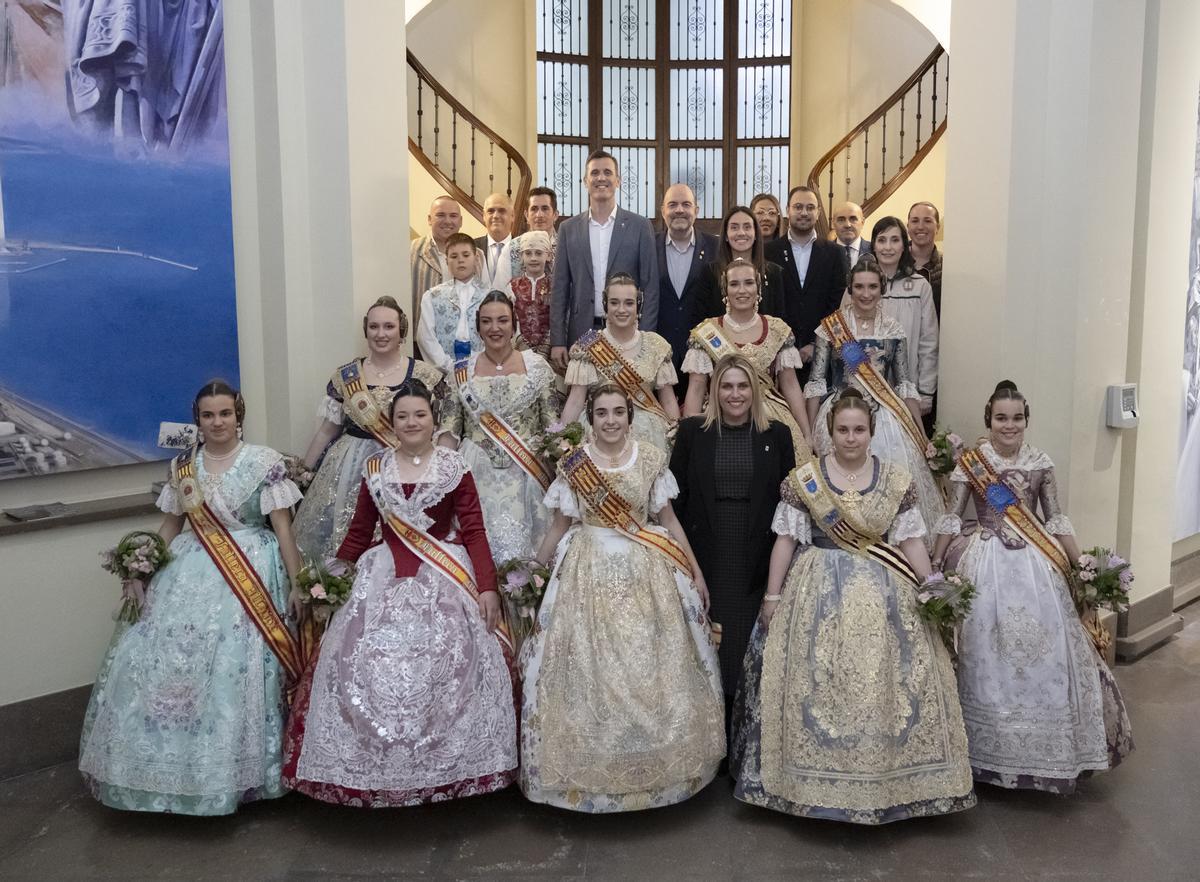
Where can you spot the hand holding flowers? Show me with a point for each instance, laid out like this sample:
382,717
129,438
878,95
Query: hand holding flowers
942,451
1100,579
523,583
134,560
944,600
559,439
324,588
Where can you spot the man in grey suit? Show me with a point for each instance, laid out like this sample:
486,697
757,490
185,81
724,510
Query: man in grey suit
592,246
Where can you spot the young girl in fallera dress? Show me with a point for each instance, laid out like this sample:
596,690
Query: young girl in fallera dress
188,710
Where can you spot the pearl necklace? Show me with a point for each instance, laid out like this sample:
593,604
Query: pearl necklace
872,330
738,328
498,365
614,461
852,477
415,458
383,372
213,457
625,347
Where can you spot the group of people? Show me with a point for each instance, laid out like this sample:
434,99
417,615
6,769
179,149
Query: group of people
734,557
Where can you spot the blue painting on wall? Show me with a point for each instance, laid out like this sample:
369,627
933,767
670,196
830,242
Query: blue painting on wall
116,248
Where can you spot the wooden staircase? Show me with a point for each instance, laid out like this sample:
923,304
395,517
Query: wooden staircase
858,169
460,151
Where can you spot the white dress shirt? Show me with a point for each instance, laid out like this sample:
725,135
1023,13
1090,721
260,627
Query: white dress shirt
495,264
600,238
679,261
427,339
802,252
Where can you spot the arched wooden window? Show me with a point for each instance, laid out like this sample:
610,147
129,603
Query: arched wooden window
678,90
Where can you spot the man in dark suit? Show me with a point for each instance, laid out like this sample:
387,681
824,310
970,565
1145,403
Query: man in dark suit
593,246
847,231
813,281
683,251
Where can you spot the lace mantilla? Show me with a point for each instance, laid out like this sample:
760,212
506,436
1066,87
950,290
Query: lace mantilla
446,470
792,521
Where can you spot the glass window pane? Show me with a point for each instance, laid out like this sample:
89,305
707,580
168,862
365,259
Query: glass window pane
764,96
637,179
764,28
562,26
628,102
628,28
560,166
562,98
761,170
703,171
697,30
696,104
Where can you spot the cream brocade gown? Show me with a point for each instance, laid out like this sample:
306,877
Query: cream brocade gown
623,708
849,710
511,500
773,351
324,516
650,356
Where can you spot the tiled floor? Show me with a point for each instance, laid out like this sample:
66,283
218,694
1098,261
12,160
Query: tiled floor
1140,822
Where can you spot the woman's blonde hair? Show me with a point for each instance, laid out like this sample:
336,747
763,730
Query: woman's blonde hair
712,408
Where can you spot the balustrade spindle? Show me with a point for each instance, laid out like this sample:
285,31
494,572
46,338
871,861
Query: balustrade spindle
830,185
933,118
436,125
883,153
866,158
454,146
472,161
420,111
902,130
918,116
491,166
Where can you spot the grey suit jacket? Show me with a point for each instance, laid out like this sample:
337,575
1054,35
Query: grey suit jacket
572,295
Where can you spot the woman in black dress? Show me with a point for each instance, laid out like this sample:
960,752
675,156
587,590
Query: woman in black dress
729,464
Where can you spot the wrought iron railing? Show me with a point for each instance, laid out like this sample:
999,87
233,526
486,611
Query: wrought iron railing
459,150
878,154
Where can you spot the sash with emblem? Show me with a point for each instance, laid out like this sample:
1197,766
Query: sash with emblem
360,405
1007,503
238,572
858,363
614,510
613,367
717,346
844,525
429,549
498,430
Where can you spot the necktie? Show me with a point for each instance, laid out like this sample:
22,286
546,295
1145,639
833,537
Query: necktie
849,257
496,259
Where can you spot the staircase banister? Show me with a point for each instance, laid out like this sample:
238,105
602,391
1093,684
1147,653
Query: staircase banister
525,172
873,117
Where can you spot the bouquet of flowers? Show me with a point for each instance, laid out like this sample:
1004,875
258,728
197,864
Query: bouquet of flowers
136,558
299,473
322,591
942,451
1102,579
944,600
523,582
559,439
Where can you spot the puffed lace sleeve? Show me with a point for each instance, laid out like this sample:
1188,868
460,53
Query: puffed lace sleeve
1057,523
908,524
788,356
666,375
696,360
791,517
330,408
950,524
663,490
168,500
818,370
278,490
580,370
905,387
561,497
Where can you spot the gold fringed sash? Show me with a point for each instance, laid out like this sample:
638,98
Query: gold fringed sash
1007,503
856,360
238,572
612,366
433,552
586,479
361,406
840,526
502,434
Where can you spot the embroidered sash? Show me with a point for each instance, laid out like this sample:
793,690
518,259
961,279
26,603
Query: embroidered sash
716,345
238,572
612,366
361,406
842,525
990,486
432,551
586,479
500,432
858,362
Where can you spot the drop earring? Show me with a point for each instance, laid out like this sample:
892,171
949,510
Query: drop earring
239,431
